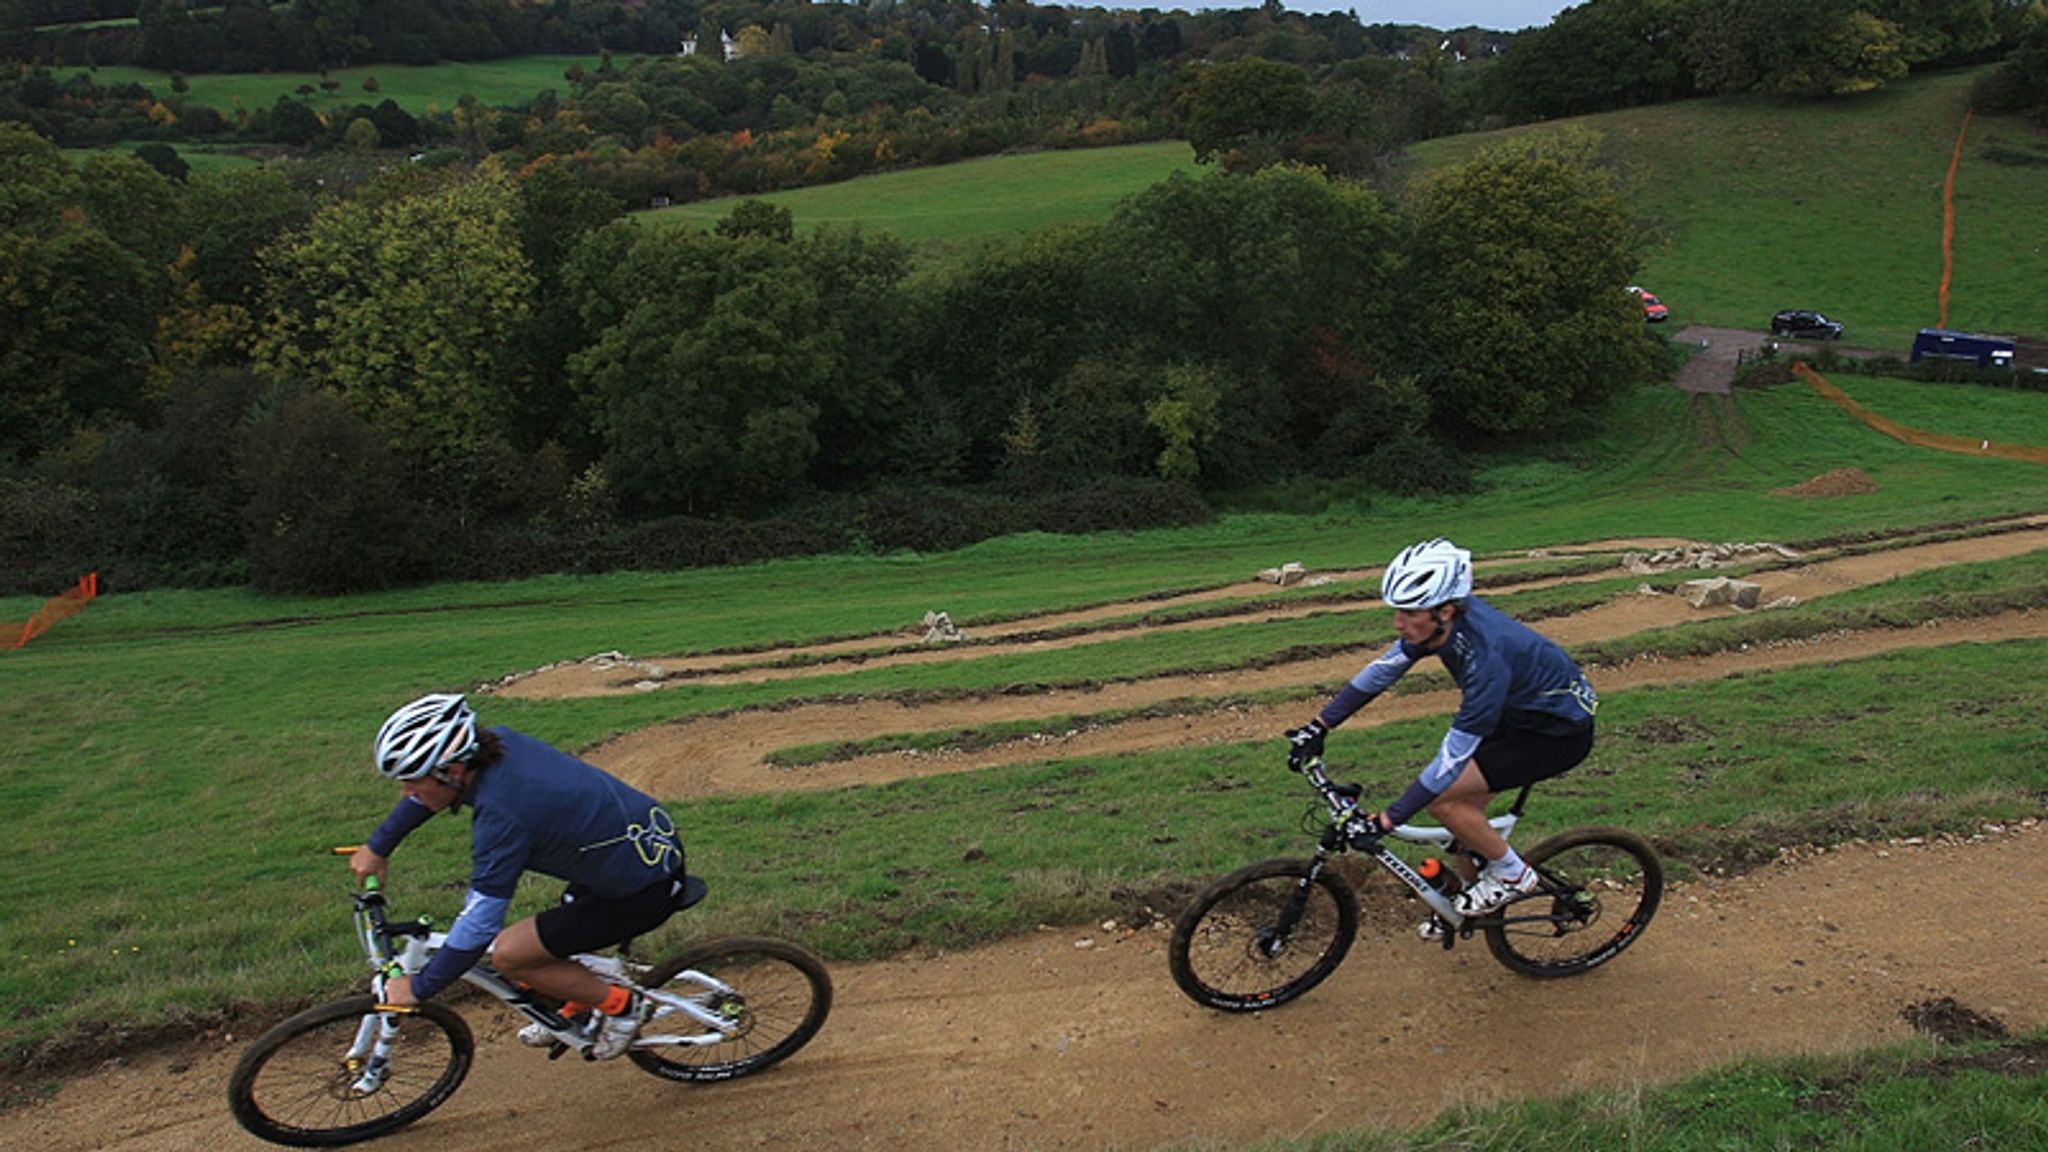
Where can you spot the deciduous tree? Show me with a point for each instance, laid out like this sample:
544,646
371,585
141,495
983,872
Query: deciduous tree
1516,283
412,308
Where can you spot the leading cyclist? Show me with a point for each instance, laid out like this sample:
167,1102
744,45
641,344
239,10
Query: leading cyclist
1526,713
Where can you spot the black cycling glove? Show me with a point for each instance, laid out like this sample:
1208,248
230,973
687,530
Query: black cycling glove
1307,743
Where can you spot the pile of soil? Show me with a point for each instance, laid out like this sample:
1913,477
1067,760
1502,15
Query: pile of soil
1840,482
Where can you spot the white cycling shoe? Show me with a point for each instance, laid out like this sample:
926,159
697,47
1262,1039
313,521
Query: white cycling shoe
1490,893
615,1033
536,1034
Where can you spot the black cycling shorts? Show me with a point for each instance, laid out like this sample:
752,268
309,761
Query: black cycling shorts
583,922
1511,758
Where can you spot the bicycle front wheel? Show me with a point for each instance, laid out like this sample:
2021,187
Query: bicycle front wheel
308,1083
1263,935
1600,886
747,1002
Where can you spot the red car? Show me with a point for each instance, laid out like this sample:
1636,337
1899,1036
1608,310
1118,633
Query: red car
1654,310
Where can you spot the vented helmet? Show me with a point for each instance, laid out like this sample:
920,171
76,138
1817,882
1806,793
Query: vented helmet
424,735
1427,574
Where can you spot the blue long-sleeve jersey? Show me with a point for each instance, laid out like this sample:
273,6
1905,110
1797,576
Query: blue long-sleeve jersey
542,810
1511,676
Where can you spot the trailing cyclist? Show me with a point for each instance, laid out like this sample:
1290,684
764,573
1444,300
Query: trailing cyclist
1526,712
534,808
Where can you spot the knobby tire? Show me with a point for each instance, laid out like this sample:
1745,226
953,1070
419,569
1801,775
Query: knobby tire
292,1087
1227,951
1600,887
782,995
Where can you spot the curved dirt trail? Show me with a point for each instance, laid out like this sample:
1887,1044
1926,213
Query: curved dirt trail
600,676
1077,1039
720,754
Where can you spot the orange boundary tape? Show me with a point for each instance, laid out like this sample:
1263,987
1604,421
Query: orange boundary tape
66,603
1948,217
1962,444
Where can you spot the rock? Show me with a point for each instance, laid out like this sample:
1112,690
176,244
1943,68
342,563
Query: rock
939,627
1720,590
1289,573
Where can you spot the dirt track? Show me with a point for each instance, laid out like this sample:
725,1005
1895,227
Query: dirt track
1075,1038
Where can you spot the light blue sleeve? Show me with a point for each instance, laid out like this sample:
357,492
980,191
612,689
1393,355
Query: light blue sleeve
468,939
479,923
1451,757
1440,773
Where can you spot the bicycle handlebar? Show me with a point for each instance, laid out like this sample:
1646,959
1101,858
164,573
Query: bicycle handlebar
1343,802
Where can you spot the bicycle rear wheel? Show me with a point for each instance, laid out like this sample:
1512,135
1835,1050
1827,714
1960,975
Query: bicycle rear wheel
298,1085
1263,935
1599,889
772,995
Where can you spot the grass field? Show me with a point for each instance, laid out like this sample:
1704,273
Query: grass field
201,157
172,764
1761,205
1752,205
419,90
959,203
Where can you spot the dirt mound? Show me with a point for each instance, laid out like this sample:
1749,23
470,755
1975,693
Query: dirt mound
1840,482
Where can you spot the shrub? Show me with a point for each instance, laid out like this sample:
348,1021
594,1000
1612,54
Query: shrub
930,519
44,530
1121,504
328,508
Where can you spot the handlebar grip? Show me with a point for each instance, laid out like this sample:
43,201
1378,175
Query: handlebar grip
370,883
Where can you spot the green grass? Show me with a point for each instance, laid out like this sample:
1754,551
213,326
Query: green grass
174,763
1967,410
420,90
201,157
1835,205
1902,1098
976,199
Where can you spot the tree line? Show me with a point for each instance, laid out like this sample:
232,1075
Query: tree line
816,92
825,92
279,375
1609,54
317,384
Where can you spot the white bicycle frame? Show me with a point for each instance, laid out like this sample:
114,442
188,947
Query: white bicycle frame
1347,822
371,1049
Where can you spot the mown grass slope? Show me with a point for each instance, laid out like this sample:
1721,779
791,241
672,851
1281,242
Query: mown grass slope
1758,205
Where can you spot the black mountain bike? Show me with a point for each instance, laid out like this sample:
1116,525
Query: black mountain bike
1265,934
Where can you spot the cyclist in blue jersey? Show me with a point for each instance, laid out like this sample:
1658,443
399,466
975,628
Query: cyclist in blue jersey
1526,713
534,808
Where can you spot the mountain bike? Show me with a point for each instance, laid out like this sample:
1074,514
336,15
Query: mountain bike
359,1068
1267,933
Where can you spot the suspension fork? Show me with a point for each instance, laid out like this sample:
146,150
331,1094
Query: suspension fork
1296,904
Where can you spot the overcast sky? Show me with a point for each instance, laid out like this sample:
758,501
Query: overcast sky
1506,15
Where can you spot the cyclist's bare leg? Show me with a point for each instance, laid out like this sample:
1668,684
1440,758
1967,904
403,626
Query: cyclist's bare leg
1462,809
518,955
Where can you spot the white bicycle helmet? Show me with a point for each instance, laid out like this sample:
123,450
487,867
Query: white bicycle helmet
1427,574
424,735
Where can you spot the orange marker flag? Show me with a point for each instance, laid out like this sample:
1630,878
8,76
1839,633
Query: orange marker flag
66,603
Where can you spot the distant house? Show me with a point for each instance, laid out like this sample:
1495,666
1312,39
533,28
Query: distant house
727,45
